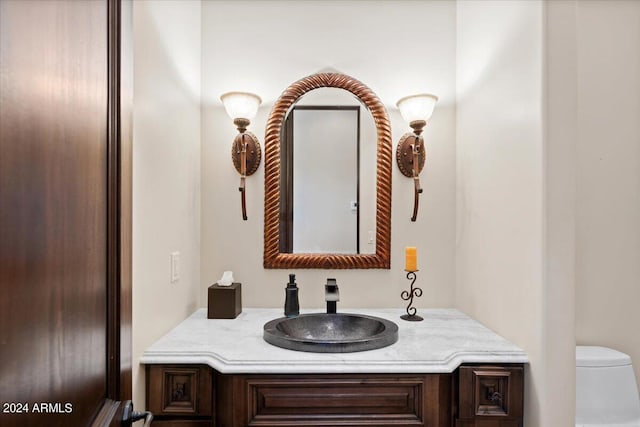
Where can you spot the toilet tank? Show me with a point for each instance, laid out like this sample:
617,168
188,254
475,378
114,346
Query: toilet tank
606,389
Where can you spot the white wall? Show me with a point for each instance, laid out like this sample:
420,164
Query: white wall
608,176
279,42
166,170
499,146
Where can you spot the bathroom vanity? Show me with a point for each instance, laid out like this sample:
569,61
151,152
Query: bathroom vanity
447,370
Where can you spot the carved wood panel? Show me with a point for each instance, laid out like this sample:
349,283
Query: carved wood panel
492,392
179,390
334,400
490,396
306,400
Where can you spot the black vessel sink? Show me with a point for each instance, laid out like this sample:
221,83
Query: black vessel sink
331,333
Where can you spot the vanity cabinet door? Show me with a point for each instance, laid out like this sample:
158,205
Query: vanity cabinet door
338,400
180,395
490,396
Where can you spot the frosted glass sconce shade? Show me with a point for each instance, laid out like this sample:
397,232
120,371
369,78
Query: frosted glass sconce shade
417,107
241,105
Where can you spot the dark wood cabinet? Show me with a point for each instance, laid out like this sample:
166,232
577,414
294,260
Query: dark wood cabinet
180,395
196,395
332,400
490,396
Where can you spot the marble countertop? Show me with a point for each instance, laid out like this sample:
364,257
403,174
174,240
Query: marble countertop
439,344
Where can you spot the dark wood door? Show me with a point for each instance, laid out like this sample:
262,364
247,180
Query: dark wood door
60,222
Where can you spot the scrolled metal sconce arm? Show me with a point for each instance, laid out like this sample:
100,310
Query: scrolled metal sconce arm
410,156
246,154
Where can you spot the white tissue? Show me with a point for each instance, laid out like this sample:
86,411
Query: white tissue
226,279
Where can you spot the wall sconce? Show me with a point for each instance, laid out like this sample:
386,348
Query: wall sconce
245,152
410,154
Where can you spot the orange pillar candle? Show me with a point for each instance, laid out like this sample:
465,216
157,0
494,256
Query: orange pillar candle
411,259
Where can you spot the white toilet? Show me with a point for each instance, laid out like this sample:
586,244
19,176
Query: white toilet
606,389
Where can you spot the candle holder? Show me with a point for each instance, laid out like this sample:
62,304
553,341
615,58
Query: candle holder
411,315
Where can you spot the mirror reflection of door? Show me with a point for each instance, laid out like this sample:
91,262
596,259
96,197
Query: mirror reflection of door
328,175
322,157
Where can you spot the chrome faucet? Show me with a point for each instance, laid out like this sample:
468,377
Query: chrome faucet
331,295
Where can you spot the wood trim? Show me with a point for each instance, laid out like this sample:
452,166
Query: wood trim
358,205
286,181
273,258
107,414
119,164
126,197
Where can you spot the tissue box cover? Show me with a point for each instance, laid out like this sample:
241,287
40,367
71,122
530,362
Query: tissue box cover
224,302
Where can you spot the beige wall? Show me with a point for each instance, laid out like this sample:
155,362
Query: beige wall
559,115
285,41
166,170
608,176
499,257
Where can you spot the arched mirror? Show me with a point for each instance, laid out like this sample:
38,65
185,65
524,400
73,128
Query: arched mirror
327,176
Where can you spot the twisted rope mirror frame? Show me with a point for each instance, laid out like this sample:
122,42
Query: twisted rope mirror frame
272,257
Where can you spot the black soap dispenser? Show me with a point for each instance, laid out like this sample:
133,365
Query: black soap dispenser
291,305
